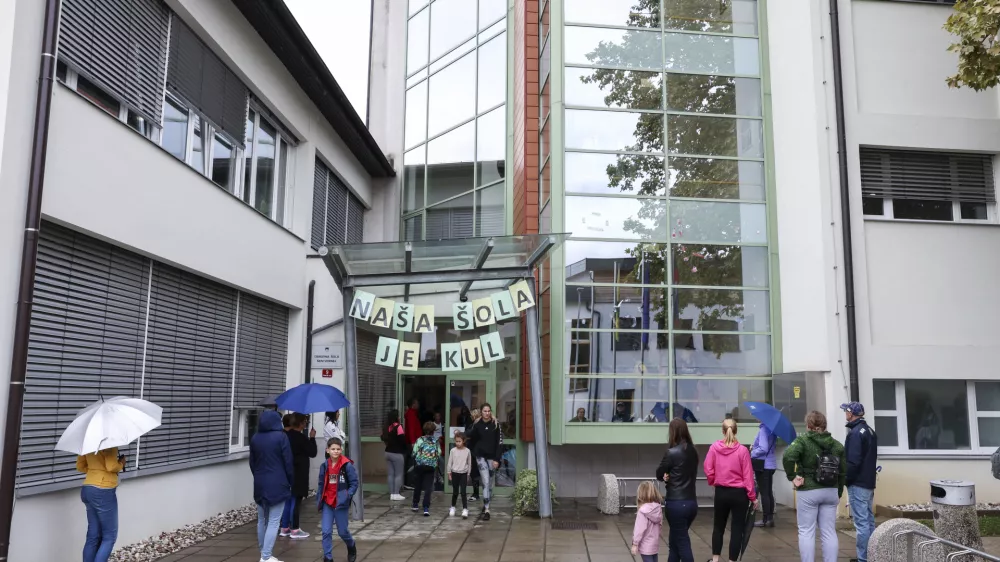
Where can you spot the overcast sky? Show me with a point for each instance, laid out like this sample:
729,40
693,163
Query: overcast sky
339,29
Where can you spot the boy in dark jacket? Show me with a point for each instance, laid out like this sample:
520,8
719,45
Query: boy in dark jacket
862,457
271,465
486,442
338,482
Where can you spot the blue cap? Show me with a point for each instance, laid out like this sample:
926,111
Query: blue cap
854,407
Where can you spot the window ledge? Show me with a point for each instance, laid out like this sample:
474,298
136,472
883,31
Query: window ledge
873,218
944,455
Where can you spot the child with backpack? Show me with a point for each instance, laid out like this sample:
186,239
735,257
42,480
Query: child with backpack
648,523
816,465
426,454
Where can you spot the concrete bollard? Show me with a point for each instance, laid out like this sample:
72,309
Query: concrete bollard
953,503
608,500
885,547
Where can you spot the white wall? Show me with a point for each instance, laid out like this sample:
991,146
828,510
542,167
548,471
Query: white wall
147,506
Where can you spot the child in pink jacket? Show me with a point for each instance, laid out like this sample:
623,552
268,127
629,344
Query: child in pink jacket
648,523
729,470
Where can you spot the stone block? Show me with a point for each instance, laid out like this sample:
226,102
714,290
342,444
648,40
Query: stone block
881,548
608,501
958,524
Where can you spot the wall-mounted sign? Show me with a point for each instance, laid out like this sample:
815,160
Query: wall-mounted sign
330,356
327,373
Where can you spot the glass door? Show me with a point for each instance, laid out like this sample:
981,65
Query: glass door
465,394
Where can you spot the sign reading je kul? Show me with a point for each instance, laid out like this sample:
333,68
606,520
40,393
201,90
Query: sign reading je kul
405,317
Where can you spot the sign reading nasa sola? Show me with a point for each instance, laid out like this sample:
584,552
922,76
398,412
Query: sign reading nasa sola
469,354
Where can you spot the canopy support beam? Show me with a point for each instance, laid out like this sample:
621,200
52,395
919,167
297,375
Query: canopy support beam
354,410
484,253
424,277
408,267
538,407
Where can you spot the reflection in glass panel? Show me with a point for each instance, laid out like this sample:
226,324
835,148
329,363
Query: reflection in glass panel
719,266
416,41
223,162
543,21
175,126
614,130
413,179
702,221
724,354
712,178
884,393
713,400
630,13
619,400
264,186
988,396
416,114
544,177
715,136
491,146
452,23
490,219
616,217
197,159
614,47
614,173
508,377
451,164
490,11
453,55
711,54
248,154
615,262
444,332
451,219
917,209
698,93
416,5
545,62
544,144
937,415
279,210
727,310
543,102
545,219
603,88
887,428
452,95
989,432
493,72
738,17
413,228
626,308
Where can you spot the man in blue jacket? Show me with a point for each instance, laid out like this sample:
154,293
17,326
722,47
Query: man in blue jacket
861,447
273,474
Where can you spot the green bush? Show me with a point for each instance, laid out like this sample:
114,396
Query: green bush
526,492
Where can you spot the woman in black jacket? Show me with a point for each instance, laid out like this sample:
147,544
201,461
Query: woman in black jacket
679,469
486,440
396,448
303,449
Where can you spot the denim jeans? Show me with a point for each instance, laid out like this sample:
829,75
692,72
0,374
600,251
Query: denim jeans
680,516
286,513
818,508
330,517
864,520
268,519
102,522
485,467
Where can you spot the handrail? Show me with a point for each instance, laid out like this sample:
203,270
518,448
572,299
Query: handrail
931,540
623,496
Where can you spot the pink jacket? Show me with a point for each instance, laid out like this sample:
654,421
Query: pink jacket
730,467
648,523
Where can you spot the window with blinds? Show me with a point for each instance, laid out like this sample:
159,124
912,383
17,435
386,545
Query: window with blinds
120,46
377,386
338,215
108,322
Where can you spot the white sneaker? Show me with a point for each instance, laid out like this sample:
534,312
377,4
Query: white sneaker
465,514
397,497
271,559
451,512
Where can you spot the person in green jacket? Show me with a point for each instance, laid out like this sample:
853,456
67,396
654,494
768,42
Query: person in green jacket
816,465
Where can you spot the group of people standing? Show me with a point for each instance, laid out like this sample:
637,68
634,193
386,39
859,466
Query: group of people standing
819,467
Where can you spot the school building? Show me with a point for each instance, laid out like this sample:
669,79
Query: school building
717,249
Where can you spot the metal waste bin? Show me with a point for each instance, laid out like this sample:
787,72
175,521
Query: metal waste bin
954,505
953,492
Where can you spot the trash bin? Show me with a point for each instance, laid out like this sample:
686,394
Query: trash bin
953,503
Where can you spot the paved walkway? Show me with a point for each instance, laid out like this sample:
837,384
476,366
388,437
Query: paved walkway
395,534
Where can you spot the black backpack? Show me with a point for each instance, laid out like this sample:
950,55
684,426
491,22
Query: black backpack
827,468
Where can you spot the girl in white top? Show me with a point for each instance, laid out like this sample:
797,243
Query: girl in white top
459,466
332,430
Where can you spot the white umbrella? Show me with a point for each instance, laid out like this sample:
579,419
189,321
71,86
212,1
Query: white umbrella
114,422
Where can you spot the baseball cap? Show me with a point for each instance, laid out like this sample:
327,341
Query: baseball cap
855,408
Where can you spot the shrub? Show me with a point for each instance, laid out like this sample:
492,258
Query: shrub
526,492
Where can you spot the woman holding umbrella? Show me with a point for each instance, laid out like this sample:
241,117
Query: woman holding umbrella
764,465
100,497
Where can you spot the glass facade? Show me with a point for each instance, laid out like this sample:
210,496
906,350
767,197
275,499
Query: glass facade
667,275
455,129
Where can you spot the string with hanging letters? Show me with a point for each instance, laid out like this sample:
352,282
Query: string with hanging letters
466,354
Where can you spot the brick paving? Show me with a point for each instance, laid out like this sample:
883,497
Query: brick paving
393,533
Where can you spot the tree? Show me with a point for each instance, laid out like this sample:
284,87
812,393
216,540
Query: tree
977,25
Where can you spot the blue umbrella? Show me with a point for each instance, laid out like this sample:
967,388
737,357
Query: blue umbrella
773,419
311,398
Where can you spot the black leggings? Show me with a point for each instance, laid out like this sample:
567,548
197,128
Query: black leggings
458,483
734,501
765,487
296,511
474,479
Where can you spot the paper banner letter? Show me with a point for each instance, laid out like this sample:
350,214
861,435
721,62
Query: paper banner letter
361,308
472,354
492,345
382,313
451,357
385,354
521,294
409,352
402,317
503,305
482,311
424,321
462,315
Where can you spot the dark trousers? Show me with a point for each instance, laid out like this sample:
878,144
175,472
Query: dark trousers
424,482
680,516
458,483
474,480
730,501
650,557
765,487
296,511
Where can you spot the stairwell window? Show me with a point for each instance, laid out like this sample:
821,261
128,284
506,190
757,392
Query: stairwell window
928,186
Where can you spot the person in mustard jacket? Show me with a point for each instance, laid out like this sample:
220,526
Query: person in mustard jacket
100,497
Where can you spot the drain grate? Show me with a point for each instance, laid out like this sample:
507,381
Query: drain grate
574,526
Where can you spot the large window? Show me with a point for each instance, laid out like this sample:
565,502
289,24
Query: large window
338,215
108,102
667,272
192,138
456,121
265,165
944,416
